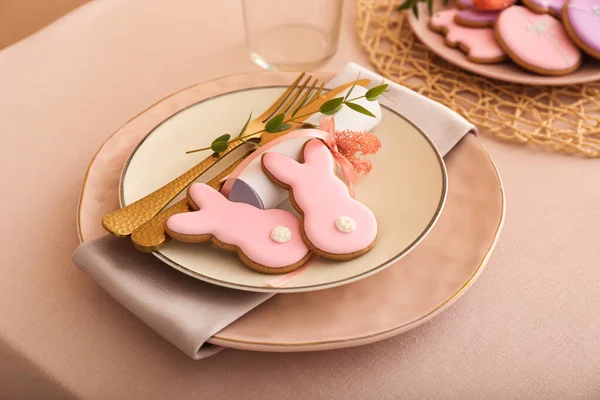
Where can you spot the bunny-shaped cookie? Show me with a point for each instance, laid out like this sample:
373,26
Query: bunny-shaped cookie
267,241
334,225
479,44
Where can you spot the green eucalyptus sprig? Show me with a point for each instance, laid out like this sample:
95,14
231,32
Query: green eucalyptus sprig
414,4
281,122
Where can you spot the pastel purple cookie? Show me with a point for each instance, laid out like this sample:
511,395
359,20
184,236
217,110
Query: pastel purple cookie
553,7
582,22
465,4
476,19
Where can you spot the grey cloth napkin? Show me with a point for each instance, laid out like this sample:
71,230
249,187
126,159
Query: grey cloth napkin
186,311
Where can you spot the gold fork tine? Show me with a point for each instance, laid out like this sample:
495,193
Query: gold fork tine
310,95
285,108
306,96
312,106
310,91
271,110
318,92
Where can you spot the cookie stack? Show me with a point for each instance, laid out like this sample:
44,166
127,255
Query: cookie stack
542,36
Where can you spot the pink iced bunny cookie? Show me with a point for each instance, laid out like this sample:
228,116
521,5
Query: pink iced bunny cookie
267,241
582,22
537,42
334,225
479,44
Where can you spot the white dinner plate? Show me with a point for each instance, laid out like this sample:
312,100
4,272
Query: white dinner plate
406,190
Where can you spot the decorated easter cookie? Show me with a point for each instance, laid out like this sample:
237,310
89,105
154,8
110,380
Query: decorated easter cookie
267,241
553,7
479,45
476,19
537,42
582,22
492,5
334,225
464,4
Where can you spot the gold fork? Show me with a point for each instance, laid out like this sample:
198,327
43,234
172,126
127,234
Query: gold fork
124,221
151,236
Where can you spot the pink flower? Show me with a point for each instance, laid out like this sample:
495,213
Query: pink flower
353,144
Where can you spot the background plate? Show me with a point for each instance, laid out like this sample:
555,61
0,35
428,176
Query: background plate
405,190
507,71
407,294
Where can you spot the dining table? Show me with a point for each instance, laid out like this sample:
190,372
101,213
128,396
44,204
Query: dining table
529,328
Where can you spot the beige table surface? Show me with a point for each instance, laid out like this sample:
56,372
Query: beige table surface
529,328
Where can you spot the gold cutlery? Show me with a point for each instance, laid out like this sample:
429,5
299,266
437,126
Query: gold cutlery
126,220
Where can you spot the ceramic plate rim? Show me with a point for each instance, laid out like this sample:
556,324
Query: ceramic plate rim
484,69
328,285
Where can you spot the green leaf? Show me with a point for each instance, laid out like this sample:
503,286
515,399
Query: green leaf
352,87
245,125
331,112
430,6
281,128
222,138
331,106
375,92
405,6
415,9
274,123
218,147
360,109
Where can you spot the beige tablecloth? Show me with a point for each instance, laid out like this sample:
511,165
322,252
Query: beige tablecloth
527,329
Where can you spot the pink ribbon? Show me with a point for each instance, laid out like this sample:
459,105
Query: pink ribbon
283,280
327,124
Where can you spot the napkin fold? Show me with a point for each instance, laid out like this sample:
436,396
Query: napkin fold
186,311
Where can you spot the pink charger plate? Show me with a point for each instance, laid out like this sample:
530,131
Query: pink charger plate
506,71
405,295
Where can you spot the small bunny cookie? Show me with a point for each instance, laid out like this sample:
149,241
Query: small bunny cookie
334,225
267,241
479,44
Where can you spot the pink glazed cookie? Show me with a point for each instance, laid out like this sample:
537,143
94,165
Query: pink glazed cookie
334,225
479,45
553,7
267,241
582,22
537,42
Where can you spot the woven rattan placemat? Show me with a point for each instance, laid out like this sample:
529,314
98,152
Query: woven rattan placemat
562,118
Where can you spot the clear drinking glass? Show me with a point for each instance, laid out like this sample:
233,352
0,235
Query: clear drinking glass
292,35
